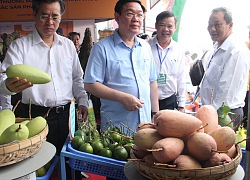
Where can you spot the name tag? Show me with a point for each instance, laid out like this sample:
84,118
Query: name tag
162,79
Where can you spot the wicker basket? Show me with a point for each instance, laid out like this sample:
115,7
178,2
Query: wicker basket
221,172
19,150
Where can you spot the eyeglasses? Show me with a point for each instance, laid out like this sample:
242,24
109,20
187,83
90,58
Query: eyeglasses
45,18
130,15
216,25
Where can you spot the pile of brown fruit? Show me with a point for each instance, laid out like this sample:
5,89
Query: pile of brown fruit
180,140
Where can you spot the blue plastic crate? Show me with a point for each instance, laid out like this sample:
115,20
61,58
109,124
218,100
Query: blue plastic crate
50,171
97,164
243,160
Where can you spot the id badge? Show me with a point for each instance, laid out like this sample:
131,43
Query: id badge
162,79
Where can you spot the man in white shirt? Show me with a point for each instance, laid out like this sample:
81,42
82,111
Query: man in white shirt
170,61
228,66
56,55
5,100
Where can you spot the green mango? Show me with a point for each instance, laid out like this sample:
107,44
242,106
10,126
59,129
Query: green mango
36,125
224,121
32,74
7,118
25,122
16,131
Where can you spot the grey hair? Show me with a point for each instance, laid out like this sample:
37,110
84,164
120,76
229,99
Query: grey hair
227,14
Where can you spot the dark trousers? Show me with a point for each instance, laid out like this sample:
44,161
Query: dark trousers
57,121
237,111
245,109
168,103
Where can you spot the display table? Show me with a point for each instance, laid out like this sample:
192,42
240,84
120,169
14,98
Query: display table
90,163
29,165
132,173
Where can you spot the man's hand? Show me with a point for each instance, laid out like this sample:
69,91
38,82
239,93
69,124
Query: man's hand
131,103
82,113
16,85
181,109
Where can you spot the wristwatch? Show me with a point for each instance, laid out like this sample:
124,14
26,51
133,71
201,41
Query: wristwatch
153,113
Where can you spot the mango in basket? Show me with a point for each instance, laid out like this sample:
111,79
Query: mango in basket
16,131
36,125
7,118
25,122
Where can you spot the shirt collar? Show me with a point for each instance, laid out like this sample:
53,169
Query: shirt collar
225,45
155,41
118,40
37,38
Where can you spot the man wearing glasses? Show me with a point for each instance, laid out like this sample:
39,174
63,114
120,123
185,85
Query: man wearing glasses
56,55
228,66
121,70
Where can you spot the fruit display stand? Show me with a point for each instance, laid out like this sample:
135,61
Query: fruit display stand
90,163
221,172
16,151
29,165
133,174
85,162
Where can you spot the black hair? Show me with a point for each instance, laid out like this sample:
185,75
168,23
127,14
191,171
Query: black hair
144,36
36,5
72,34
120,3
154,33
166,14
227,14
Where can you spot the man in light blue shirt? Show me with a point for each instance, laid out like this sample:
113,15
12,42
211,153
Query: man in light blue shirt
121,71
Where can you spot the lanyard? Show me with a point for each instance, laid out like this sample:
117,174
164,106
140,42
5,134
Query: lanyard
161,60
212,57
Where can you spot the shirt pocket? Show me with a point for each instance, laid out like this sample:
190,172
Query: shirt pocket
172,67
66,67
143,66
214,73
119,71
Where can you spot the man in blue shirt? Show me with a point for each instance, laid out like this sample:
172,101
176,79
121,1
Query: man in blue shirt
122,72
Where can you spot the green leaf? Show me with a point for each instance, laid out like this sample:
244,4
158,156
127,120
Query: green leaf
223,111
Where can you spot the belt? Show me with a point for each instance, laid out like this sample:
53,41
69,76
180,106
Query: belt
55,109
168,97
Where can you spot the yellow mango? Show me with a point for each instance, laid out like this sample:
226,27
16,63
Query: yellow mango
36,125
7,118
32,74
16,131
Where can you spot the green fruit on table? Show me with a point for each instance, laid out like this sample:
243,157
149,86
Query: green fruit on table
77,141
106,152
48,164
86,147
25,122
97,146
7,118
16,131
41,172
80,133
116,137
32,74
36,125
224,121
120,153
